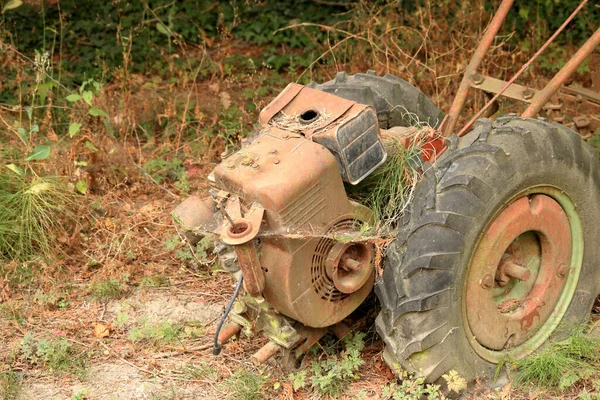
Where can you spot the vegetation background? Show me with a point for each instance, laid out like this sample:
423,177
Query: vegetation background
113,112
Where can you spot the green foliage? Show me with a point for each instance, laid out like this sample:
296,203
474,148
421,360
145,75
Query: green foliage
80,395
201,370
561,364
412,389
157,334
58,355
298,380
108,289
32,212
10,385
91,38
330,376
595,140
547,16
200,254
163,170
244,385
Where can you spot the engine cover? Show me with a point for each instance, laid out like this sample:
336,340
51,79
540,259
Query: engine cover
313,271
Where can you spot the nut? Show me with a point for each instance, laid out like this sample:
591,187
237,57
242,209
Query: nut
487,281
562,270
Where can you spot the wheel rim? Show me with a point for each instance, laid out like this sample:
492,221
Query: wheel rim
523,274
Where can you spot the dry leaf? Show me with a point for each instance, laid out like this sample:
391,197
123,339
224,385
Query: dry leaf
51,135
225,100
101,330
214,87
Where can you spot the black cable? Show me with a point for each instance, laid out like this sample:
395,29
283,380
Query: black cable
218,346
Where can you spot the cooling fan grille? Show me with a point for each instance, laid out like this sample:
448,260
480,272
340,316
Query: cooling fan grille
321,282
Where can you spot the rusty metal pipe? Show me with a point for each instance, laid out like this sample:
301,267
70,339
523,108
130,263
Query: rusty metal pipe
265,352
544,95
228,332
482,48
523,69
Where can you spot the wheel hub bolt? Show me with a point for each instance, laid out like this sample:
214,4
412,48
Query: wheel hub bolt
487,281
562,271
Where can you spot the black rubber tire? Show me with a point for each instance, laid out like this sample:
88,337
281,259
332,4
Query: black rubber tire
420,292
397,102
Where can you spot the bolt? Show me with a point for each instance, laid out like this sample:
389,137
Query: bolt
255,166
562,271
273,151
231,166
276,161
527,94
477,79
487,281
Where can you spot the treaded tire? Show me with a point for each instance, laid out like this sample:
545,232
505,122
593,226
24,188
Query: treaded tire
421,320
397,102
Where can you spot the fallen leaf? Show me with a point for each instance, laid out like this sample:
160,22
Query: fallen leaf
214,87
101,330
225,100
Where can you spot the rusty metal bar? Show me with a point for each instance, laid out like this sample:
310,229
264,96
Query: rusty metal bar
254,278
523,68
228,332
544,95
482,48
265,352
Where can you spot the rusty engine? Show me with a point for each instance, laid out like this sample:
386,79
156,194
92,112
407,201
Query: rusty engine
280,217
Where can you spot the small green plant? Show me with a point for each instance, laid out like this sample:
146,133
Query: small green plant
412,389
199,254
298,380
561,364
59,356
200,370
157,334
330,376
106,290
121,320
162,170
10,385
244,385
33,211
80,395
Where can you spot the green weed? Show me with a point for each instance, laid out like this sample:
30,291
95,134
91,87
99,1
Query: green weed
244,385
10,385
200,370
561,364
80,395
33,211
58,356
107,290
157,334
330,376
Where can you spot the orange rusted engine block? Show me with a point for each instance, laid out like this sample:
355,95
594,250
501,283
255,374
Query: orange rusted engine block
282,206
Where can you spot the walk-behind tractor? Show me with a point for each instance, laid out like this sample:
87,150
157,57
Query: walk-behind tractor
496,244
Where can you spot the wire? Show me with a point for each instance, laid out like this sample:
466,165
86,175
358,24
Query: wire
217,346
